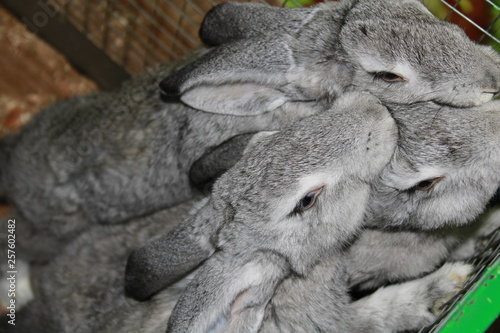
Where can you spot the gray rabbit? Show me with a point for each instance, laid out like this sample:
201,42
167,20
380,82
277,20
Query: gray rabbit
447,166
395,49
422,206
109,157
271,237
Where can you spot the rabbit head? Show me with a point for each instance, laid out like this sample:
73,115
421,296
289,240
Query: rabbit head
444,170
417,57
395,49
295,196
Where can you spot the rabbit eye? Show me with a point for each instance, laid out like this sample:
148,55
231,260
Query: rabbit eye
427,184
389,77
307,201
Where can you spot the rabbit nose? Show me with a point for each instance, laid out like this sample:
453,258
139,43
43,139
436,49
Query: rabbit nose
487,96
491,86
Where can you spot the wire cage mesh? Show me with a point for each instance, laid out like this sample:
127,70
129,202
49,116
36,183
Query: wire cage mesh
137,34
480,19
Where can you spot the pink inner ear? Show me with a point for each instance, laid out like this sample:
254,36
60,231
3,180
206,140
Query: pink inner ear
236,99
253,287
238,304
247,312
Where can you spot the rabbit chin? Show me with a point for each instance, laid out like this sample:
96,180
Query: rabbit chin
465,97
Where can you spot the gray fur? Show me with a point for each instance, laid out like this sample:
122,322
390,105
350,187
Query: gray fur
457,143
410,232
107,158
67,300
81,290
310,53
274,269
268,172
462,145
264,240
418,230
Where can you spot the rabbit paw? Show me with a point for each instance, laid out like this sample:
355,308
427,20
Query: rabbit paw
444,283
413,304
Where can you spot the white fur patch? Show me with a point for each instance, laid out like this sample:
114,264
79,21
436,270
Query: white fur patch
373,63
406,180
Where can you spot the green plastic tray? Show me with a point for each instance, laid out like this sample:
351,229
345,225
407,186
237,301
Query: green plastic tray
477,306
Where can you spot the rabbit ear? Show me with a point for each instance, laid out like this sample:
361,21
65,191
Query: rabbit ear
165,260
233,21
217,160
229,293
242,78
255,75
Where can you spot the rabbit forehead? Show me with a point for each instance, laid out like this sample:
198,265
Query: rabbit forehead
429,47
398,31
303,238
357,136
426,124
435,141
458,198
402,9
